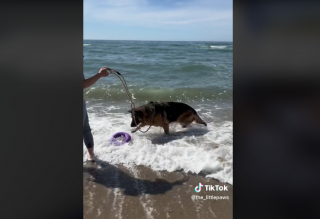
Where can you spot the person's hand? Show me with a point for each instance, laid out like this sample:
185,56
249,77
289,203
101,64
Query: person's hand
104,72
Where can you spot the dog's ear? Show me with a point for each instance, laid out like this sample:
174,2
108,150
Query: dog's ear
130,111
136,111
139,113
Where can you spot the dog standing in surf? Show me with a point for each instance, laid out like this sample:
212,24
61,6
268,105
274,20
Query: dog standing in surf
162,114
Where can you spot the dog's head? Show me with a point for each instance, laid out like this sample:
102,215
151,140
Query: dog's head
138,115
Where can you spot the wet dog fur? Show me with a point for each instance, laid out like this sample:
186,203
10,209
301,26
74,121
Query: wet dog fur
161,114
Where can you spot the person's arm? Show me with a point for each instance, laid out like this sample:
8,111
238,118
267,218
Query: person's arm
90,81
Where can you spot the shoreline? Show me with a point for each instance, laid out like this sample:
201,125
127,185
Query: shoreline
139,192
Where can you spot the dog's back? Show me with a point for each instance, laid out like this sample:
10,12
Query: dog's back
163,113
174,110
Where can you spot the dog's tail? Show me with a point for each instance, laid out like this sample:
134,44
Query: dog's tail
199,120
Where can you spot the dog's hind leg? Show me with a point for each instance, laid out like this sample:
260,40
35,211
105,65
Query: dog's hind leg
186,124
185,119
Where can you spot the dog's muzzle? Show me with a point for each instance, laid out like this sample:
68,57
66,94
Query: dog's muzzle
133,124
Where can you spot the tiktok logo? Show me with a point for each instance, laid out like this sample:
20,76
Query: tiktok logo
198,188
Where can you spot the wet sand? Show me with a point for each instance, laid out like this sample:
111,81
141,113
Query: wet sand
139,192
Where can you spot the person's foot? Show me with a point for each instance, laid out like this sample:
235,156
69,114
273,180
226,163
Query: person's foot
91,158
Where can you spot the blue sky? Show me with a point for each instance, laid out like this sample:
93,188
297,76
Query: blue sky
176,20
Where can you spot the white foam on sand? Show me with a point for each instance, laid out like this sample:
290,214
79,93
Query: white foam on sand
196,149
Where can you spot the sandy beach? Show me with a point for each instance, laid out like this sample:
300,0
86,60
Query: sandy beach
139,192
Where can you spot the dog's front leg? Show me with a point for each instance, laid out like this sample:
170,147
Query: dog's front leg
165,123
166,129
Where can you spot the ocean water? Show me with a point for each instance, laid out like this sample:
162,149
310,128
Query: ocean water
199,74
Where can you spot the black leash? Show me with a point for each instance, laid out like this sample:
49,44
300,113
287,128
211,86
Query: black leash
112,71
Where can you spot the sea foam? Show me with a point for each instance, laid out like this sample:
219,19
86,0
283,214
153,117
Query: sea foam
218,47
196,149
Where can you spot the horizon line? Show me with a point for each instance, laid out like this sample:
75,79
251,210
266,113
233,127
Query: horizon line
168,40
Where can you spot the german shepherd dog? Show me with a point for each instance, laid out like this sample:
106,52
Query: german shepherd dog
162,114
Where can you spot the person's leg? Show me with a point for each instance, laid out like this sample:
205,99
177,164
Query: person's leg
91,153
84,111
88,138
